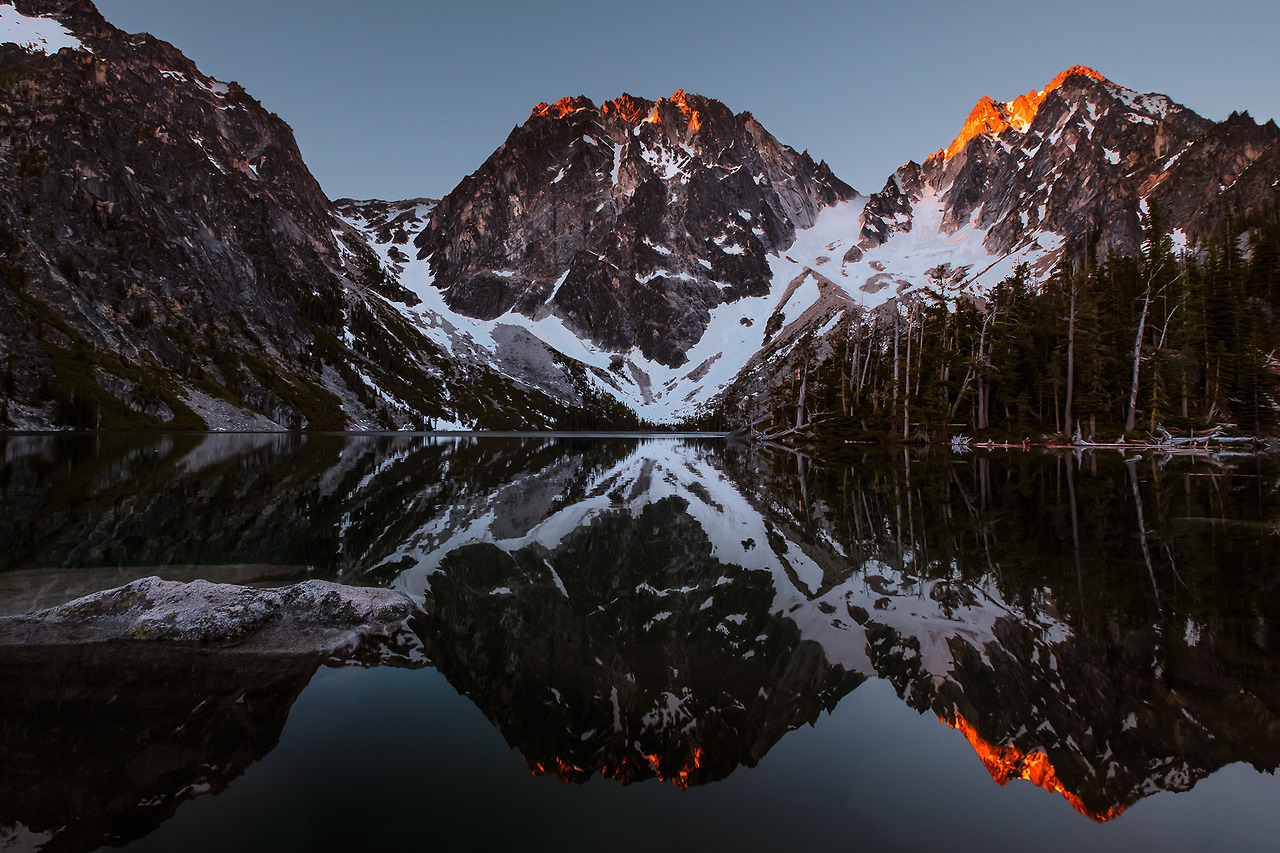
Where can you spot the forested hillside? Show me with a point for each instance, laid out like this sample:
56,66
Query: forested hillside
1167,340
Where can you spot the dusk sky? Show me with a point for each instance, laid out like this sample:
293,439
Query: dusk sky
397,99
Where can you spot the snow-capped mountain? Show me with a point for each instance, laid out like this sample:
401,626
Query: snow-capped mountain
1076,161
628,223
173,263
640,240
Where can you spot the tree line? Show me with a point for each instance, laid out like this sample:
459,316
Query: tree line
1136,346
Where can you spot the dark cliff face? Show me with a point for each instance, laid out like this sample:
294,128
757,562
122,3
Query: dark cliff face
1077,160
629,221
1233,168
156,223
168,260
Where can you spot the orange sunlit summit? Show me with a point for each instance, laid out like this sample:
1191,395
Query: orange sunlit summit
562,107
630,109
681,100
991,117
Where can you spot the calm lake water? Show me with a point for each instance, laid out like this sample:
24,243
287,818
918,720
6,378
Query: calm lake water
637,642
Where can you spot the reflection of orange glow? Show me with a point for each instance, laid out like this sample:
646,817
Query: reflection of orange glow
630,768
559,769
992,117
1009,762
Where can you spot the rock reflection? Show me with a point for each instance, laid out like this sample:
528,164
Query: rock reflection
627,648
101,745
87,512
1108,666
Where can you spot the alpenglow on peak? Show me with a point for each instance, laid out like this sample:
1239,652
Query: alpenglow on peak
993,117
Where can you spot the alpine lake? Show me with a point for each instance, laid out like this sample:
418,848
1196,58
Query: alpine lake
635,642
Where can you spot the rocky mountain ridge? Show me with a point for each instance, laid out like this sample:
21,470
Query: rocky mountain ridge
169,261
1053,174
628,223
1079,160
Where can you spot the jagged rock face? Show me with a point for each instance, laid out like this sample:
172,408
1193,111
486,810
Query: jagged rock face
1231,169
159,215
888,211
169,261
1076,160
630,221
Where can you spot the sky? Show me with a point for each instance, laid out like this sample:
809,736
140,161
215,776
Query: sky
398,99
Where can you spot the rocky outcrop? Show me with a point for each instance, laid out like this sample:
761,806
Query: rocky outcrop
629,221
1231,170
315,617
889,211
393,224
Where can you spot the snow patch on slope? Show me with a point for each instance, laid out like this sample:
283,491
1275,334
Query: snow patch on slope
40,35
735,332
904,261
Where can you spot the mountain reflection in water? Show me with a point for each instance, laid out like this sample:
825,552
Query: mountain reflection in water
661,608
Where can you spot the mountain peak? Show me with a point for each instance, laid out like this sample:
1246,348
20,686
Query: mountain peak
630,109
681,100
563,107
993,117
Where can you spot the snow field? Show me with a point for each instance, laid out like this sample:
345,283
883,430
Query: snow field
43,35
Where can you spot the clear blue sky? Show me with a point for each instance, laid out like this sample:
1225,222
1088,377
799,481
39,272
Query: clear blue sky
396,99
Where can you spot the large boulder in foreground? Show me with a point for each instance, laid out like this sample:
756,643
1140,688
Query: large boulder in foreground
313,616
